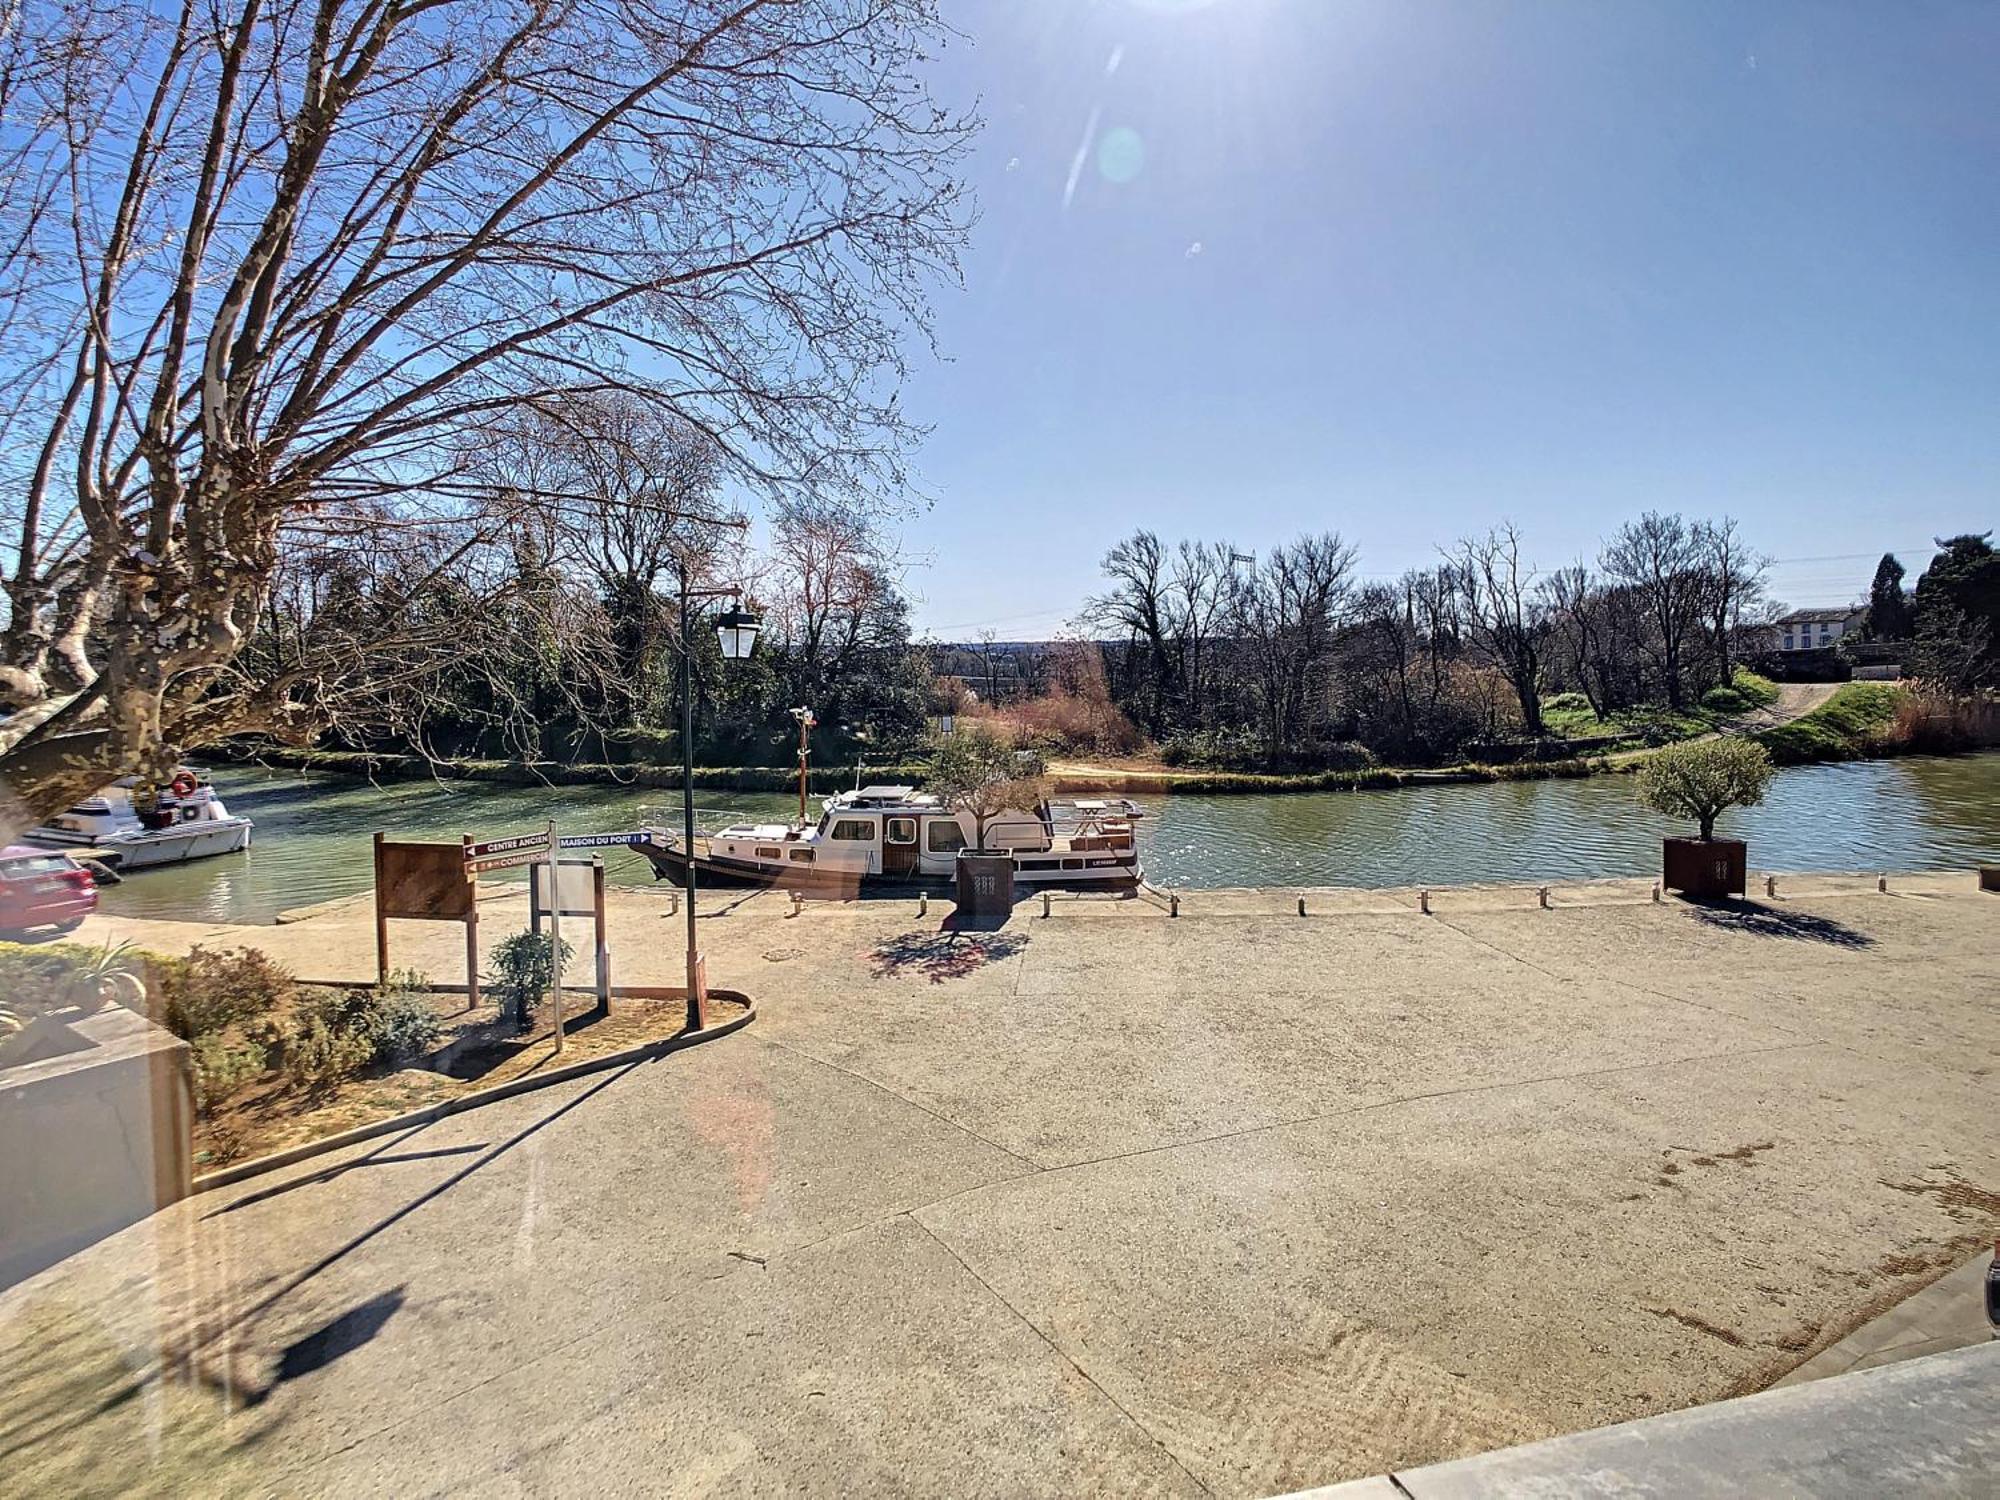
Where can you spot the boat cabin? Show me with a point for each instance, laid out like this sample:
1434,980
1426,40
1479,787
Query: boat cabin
896,833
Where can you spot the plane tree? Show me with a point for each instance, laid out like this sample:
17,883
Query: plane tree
270,267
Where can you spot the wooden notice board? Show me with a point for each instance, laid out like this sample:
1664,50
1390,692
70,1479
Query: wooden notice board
427,883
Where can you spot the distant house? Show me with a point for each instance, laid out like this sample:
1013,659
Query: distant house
1815,629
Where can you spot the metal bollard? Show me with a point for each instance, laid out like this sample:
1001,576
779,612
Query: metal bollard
673,903
1656,893
923,903
1770,885
1543,896
798,903
1424,902
1302,904
1045,903
1173,903
1882,881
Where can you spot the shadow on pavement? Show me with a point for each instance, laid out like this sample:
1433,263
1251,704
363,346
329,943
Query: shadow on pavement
960,946
1758,920
374,1158
343,1335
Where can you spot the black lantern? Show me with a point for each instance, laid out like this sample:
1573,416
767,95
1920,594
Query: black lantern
736,628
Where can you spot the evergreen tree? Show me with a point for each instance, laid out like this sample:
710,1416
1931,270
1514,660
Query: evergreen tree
1889,616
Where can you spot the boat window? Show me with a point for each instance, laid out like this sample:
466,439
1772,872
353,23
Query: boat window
902,830
854,830
802,856
767,853
945,836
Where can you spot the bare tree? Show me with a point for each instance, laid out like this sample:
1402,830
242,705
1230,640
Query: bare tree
1733,578
1285,612
1199,586
1659,558
1504,614
279,257
612,492
830,591
1573,604
1138,605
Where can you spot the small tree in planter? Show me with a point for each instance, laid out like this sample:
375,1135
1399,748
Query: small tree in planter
977,771
523,974
1701,780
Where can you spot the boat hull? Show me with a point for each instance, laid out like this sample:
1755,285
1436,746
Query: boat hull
168,846
712,870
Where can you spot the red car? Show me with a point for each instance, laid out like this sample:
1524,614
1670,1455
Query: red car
43,888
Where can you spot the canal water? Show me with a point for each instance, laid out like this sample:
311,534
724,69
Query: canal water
313,834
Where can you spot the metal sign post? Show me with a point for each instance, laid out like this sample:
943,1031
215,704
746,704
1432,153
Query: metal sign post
580,892
555,932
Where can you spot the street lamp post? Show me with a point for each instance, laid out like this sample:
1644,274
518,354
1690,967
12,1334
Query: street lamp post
736,632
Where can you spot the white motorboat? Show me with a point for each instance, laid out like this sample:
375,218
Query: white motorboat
181,821
898,835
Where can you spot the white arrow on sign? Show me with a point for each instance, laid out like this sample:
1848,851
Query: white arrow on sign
536,842
507,860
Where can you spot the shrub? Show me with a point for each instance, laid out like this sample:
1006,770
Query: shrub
320,1051
1725,700
337,1033
222,1067
1931,719
522,974
213,989
1702,778
56,976
403,1023
1224,749
1066,722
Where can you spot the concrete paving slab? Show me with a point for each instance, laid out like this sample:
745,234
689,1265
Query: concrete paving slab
1277,1199
1923,1428
1406,1251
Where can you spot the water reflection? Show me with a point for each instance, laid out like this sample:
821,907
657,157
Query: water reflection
312,841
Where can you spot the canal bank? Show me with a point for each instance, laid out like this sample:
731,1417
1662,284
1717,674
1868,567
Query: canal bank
312,840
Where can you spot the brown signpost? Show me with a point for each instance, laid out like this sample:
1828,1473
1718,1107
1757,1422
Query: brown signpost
426,883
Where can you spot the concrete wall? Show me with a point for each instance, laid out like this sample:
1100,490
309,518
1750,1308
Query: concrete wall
98,1133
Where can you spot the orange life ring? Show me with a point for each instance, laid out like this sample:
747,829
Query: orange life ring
183,785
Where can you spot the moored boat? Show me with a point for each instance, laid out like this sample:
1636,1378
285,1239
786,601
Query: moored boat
136,827
896,835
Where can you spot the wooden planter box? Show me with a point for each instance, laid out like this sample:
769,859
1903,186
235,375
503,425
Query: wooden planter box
985,884
1704,867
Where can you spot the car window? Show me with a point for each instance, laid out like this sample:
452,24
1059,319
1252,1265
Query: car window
45,864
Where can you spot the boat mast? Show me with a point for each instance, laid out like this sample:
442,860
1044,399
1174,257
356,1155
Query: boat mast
806,723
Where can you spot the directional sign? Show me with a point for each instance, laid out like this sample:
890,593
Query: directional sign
536,841
507,861
600,840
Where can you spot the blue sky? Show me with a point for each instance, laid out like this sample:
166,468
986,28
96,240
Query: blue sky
1404,268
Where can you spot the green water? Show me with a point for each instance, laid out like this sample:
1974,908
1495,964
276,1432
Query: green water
312,841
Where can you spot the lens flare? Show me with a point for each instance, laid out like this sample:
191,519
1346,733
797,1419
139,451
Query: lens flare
1121,154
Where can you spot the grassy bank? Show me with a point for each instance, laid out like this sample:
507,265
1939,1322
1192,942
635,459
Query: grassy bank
1850,725
840,778
1571,716
1860,721
376,767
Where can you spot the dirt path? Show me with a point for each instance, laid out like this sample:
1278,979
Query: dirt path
1795,700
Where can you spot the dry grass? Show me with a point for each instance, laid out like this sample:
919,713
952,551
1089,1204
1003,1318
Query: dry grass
1070,721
